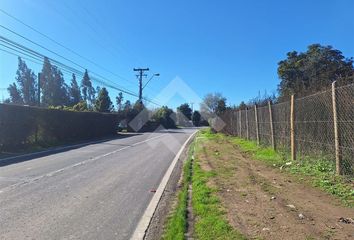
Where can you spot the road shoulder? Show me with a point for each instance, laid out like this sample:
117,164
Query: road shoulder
154,218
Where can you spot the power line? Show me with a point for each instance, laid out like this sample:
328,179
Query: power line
59,55
95,30
37,56
63,46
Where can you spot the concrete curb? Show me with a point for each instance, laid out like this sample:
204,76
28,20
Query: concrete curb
145,220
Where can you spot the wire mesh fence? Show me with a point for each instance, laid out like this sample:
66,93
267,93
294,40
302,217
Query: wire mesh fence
323,126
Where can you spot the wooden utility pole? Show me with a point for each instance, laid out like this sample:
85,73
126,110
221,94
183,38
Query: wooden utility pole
336,132
271,124
292,129
257,127
140,77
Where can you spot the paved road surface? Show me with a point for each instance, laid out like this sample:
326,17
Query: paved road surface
99,191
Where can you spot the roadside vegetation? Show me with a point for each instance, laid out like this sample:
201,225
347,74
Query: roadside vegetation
225,185
209,215
177,223
320,172
211,222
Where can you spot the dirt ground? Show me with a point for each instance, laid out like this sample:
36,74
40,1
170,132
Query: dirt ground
265,203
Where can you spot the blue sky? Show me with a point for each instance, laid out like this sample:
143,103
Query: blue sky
231,47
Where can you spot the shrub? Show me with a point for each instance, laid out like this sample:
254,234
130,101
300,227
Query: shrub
19,125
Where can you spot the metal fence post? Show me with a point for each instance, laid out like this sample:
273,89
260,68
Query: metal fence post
271,124
336,132
247,131
292,129
257,127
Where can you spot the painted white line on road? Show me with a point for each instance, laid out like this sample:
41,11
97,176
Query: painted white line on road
50,174
54,149
145,220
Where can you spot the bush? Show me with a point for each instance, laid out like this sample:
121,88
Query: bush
19,125
165,117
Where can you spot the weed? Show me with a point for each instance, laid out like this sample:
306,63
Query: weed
319,170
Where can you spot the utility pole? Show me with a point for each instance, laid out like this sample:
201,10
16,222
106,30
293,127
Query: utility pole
39,89
192,103
140,77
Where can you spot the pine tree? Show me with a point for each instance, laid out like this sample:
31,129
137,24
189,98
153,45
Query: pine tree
60,91
26,80
127,106
54,89
103,102
45,81
15,95
88,91
74,91
119,100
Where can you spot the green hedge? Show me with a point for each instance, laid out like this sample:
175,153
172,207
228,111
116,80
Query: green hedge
19,125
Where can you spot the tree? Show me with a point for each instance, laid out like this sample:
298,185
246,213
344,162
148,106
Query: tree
185,110
26,80
196,117
242,106
88,91
74,92
221,106
54,89
103,102
127,106
313,71
164,116
213,104
119,101
15,95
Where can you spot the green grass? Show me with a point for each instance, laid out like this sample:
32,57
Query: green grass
211,221
319,170
177,223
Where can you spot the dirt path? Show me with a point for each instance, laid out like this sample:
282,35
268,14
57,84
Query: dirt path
264,203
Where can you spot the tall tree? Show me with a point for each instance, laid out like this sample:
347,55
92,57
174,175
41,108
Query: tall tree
88,91
119,101
103,102
313,70
196,118
213,104
185,110
26,80
74,91
54,89
15,95
127,106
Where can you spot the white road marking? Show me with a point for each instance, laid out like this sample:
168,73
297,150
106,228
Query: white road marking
145,220
50,174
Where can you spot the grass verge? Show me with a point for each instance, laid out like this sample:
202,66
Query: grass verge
177,222
319,171
210,221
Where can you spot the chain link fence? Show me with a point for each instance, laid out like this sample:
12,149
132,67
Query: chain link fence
323,126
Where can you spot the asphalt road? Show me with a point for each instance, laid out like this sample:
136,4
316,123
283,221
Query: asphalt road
99,191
